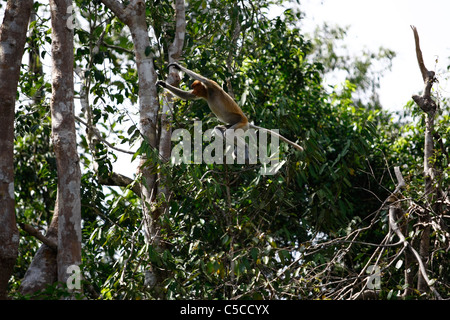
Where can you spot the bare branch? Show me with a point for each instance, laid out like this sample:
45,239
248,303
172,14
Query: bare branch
35,233
396,229
117,48
119,180
399,176
422,268
99,136
422,67
424,102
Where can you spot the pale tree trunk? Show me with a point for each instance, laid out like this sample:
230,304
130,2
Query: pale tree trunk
12,43
133,15
175,51
427,104
165,143
42,271
68,202
148,112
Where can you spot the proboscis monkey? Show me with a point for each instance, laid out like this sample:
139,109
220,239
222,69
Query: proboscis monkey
220,103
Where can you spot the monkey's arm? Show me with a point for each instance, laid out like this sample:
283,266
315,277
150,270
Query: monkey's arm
193,75
186,95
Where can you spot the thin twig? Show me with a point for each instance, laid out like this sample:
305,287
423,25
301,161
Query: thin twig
396,229
98,135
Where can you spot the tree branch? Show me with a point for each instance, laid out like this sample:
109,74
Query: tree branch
393,224
429,106
176,48
422,268
117,8
419,55
35,233
117,48
119,180
424,102
99,136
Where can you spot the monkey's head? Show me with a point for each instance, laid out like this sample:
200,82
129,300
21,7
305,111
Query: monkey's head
199,89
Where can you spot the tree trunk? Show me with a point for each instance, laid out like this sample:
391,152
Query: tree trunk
42,270
148,112
165,142
175,51
68,202
427,104
12,43
429,173
133,15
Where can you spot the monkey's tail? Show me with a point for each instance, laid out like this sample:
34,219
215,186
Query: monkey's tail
296,146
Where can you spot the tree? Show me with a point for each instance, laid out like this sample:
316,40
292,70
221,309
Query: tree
134,17
61,251
338,221
68,202
12,43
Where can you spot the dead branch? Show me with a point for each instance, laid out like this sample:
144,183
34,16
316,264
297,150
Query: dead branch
393,225
422,67
429,106
401,182
99,136
425,102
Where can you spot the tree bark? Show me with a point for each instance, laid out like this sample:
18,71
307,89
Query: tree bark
68,202
12,43
165,142
429,107
42,271
175,51
133,15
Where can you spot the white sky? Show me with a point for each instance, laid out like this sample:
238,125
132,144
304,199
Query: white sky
387,23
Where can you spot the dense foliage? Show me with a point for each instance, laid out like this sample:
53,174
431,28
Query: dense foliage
231,232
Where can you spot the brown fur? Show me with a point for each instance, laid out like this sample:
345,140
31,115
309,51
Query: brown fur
199,89
220,103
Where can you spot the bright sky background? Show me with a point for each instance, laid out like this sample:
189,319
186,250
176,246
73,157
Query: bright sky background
387,23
